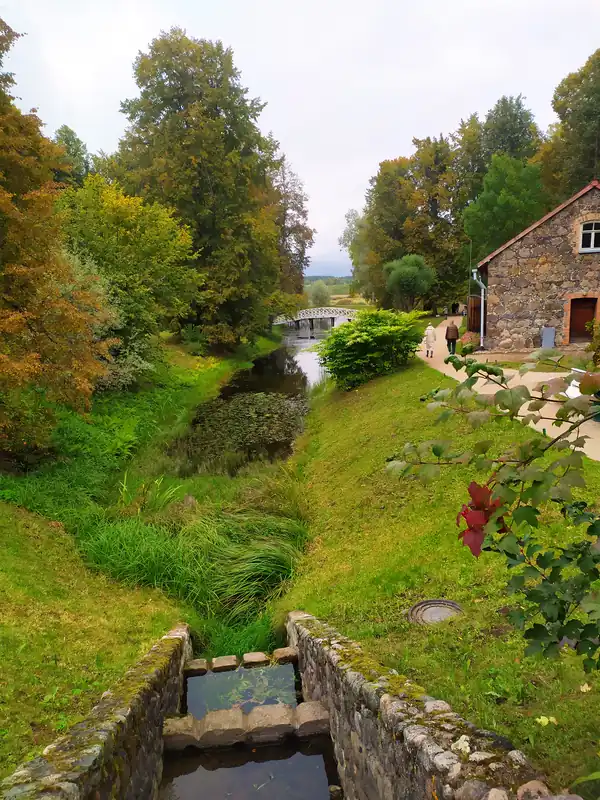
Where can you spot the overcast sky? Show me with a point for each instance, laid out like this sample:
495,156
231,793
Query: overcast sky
348,82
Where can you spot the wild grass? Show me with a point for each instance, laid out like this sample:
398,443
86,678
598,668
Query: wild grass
66,634
223,565
378,545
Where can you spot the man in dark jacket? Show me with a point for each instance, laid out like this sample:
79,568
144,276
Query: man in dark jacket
451,337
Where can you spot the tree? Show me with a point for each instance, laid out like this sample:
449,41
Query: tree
469,164
510,129
512,198
48,351
76,157
140,249
409,279
193,143
319,294
295,235
577,103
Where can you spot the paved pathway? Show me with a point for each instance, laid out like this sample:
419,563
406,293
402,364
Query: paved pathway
530,379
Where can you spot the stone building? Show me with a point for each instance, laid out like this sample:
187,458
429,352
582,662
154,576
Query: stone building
546,277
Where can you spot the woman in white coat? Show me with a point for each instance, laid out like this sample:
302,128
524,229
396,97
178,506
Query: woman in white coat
429,340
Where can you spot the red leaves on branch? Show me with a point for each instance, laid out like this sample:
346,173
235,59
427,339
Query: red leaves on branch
477,514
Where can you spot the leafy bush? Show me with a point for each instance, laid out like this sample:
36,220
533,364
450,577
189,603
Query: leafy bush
374,343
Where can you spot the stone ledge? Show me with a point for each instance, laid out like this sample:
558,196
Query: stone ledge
392,740
117,750
267,723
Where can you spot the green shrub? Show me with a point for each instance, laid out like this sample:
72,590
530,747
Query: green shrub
374,343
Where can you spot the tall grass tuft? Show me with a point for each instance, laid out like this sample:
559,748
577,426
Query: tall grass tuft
223,565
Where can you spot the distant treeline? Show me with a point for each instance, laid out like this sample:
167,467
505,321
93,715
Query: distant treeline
328,280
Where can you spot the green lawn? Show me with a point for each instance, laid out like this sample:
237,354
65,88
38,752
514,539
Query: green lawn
66,634
380,544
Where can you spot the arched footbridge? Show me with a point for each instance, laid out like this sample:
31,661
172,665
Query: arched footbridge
332,313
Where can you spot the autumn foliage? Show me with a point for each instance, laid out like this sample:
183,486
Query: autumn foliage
48,351
480,510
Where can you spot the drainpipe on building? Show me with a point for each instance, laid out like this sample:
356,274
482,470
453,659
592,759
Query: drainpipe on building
482,311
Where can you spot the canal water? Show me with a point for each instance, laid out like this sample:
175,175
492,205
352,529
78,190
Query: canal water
257,415
260,412
292,770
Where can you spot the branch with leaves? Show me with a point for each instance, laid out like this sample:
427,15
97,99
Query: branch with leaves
557,587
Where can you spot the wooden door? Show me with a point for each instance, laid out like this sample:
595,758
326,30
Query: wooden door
583,311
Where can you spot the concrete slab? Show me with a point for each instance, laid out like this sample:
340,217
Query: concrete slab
255,660
180,732
221,728
310,719
270,723
224,663
285,655
198,666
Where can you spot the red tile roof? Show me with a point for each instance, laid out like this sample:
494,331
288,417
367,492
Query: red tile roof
595,184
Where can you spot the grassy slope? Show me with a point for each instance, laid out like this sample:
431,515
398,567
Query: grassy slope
66,634
93,452
381,545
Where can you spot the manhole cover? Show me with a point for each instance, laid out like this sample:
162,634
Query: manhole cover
428,612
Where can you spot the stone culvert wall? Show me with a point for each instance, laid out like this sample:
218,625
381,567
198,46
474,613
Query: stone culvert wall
117,751
391,741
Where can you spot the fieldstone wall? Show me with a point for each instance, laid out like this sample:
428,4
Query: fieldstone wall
391,741
117,751
531,283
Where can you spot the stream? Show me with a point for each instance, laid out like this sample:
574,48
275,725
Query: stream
260,412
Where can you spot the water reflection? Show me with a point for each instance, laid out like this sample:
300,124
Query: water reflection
293,770
241,688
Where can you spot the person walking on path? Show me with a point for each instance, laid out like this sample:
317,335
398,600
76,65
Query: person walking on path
429,340
451,337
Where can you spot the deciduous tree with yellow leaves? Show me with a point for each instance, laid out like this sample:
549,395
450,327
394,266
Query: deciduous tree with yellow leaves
48,351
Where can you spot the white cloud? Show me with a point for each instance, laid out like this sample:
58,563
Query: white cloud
347,83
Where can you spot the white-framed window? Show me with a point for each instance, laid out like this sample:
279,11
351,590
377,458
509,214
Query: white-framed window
590,237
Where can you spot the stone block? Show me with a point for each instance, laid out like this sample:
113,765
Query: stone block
255,660
496,794
222,728
269,723
198,666
285,655
310,719
472,790
224,663
180,732
481,757
531,790
437,707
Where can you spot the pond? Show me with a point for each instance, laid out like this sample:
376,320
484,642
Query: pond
260,412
